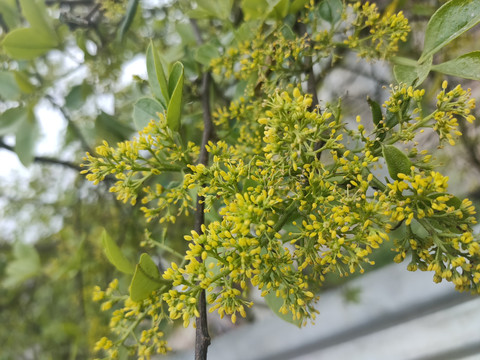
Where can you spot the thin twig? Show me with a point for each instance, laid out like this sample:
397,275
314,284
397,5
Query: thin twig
45,159
202,337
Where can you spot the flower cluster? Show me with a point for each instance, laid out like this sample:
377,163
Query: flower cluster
156,154
383,33
279,52
144,318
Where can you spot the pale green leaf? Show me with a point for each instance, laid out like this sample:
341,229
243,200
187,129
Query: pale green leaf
27,44
25,137
115,255
449,21
466,66
405,74
205,53
9,89
156,76
36,14
175,85
145,110
146,279
23,82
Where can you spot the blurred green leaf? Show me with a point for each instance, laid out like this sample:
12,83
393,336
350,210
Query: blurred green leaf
145,110
275,302
331,10
25,138
25,265
27,44
11,119
9,89
146,279
23,82
9,13
115,255
77,96
109,128
449,21
36,14
128,18
466,66
205,53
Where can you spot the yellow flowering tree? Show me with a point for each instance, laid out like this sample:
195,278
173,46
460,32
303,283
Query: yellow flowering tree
282,188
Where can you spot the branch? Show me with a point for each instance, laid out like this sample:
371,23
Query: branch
202,337
45,159
70,122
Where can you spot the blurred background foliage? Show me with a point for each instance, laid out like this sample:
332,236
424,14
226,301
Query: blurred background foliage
62,100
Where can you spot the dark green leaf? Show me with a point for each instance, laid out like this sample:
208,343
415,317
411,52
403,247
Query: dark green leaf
128,18
77,96
146,279
156,76
376,110
115,255
450,21
25,137
175,105
109,128
397,161
331,10
145,110
466,66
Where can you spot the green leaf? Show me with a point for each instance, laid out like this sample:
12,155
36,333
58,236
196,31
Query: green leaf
175,88
280,10
219,9
127,19
145,110
449,21
77,96
466,66
297,5
27,44
9,13
25,137
254,9
423,69
36,14
156,76
331,10
109,128
9,89
11,119
25,265
275,302
115,255
405,74
146,279
376,110
23,82
205,53
397,161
